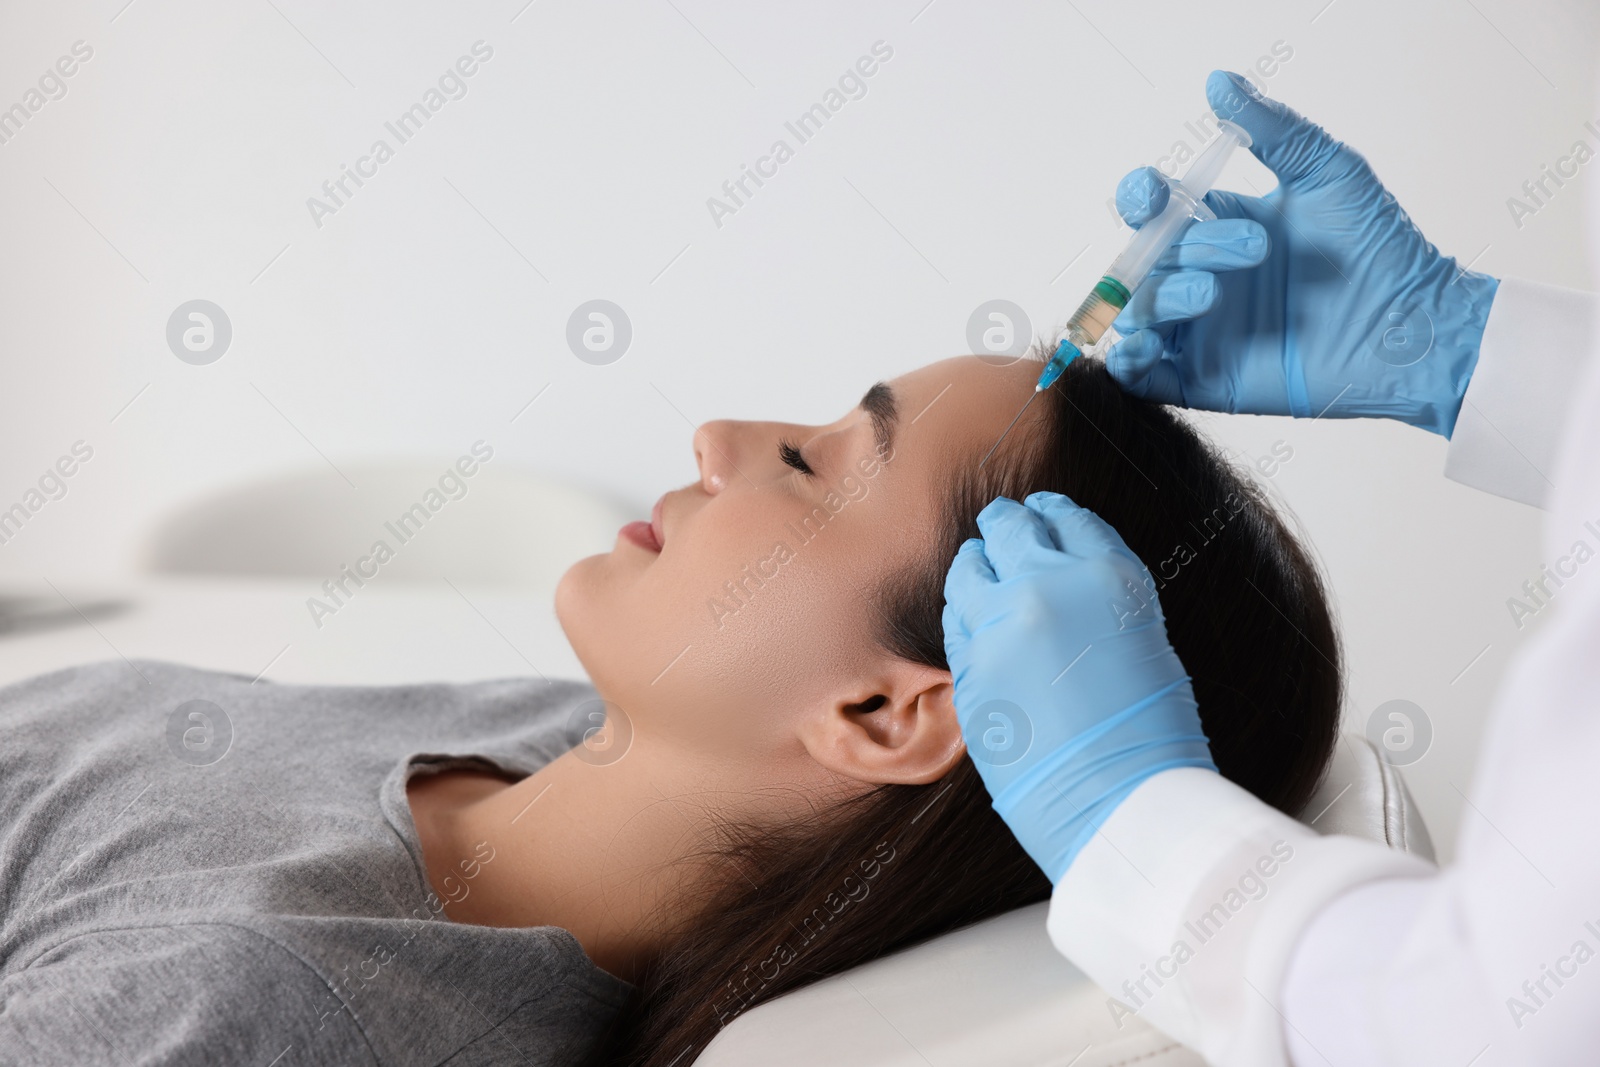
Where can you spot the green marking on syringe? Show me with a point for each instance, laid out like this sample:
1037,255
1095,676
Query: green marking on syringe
1112,292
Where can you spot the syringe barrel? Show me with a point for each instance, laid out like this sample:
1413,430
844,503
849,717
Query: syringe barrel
1207,167
1156,236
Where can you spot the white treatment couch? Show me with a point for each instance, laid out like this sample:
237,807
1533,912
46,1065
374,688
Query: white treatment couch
232,574
998,994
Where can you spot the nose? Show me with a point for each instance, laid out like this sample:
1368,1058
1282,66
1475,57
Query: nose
714,446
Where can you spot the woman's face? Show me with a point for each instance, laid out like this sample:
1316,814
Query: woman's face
758,609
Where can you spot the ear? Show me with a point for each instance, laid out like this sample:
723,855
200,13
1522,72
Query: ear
899,728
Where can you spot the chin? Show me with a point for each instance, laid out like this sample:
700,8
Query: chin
573,591
581,611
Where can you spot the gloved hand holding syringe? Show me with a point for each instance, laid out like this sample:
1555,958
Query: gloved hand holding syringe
1283,304
1111,293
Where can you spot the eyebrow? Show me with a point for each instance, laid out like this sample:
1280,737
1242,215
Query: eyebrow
879,402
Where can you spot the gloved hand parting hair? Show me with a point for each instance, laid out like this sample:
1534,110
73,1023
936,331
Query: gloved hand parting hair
1068,692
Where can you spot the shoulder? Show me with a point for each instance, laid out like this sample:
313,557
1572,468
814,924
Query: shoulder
202,992
112,675
95,690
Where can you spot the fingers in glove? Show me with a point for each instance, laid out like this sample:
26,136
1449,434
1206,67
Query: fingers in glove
1138,362
969,574
1015,539
1169,298
1291,145
1076,530
1217,244
1142,194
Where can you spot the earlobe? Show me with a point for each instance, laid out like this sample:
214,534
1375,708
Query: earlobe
901,731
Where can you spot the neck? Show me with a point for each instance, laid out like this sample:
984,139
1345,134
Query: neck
613,853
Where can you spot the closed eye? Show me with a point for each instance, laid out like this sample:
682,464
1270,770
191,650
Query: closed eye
792,457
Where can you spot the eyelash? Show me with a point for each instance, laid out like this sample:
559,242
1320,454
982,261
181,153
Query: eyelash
792,457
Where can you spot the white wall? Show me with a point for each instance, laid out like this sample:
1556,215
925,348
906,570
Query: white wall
179,163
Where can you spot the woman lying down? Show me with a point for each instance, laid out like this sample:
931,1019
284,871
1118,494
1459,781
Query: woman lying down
475,874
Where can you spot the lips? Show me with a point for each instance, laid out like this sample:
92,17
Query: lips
651,535
640,533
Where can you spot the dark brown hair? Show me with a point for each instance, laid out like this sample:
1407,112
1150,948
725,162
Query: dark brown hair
1245,611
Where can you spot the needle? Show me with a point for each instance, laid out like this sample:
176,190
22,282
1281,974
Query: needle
1007,430
1066,352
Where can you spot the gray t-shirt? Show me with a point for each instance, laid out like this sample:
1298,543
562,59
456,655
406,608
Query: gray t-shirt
200,869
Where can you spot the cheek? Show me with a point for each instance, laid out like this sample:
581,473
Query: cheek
782,610
778,626
726,633
749,619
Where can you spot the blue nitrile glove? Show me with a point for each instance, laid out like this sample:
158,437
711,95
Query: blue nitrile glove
1351,313
1068,692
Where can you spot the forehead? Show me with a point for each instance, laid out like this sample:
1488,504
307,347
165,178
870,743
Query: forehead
956,408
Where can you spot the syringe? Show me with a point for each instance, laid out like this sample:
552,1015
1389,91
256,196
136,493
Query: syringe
1129,270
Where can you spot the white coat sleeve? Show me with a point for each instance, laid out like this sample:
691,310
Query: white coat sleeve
1186,906
1534,352
1247,936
